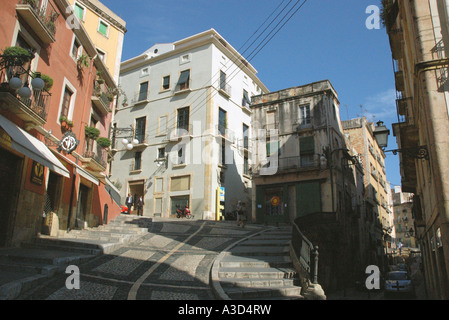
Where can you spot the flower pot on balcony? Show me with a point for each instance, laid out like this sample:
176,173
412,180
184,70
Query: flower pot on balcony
91,132
63,121
104,142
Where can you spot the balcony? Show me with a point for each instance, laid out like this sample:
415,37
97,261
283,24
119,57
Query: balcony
225,90
183,87
32,111
179,133
291,164
140,98
41,16
102,98
403,105
95,161
400,82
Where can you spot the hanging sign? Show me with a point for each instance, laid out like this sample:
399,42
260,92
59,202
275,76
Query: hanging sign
68,142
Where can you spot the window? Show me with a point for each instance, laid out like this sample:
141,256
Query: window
183,118
66,101
246,102
140,129
161,153
222,122
180,183
181,155
145,72
245,136
307,151
245,164
103,28
76,49
166,82
138,161
143,91
271,120
304,115
223,152
223,81
184,80
101,55
79,11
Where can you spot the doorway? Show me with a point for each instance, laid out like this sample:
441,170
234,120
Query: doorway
137,189
10,176
81,208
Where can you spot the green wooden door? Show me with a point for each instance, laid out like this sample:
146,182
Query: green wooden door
308,198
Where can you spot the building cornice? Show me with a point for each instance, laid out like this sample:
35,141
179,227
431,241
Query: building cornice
95,6
202,39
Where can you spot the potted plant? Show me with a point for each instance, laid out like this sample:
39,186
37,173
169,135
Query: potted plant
63,121
47,80
91,132
70,124
17,55
104,142
83,61
30,2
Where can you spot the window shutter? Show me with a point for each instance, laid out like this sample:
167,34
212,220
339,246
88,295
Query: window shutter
307,145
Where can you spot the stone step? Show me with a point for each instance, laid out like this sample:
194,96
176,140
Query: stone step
231,261
252,293
33,256
266,242
62,247
257,283
257,273
252,250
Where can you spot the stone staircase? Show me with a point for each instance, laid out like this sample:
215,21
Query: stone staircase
260,268
34,262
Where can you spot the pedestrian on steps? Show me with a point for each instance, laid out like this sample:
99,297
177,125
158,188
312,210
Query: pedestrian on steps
241,214
140,204
129,202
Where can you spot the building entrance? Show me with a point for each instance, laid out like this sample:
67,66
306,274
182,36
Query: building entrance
10,174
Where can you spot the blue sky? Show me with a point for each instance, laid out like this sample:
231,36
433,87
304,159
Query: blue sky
325,39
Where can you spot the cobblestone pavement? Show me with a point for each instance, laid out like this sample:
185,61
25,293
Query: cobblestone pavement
171,262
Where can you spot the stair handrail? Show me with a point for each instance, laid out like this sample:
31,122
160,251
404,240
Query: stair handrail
306,253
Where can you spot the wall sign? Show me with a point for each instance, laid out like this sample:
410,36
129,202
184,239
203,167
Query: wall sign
37,173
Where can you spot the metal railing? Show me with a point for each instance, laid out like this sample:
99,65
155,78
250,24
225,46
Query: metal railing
39,101
100,156
45,11
105,95
306,253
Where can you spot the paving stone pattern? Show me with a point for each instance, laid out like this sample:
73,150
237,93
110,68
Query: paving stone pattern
184,274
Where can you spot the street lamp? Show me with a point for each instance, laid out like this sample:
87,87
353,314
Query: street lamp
381,134
128,141
15,83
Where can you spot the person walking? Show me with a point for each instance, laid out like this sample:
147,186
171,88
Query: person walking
241,216
129,202
140,204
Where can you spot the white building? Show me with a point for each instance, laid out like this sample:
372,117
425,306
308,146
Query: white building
187,105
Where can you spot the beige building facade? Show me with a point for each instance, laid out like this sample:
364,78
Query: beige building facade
377,201
418,33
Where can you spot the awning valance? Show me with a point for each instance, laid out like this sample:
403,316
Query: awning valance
31,147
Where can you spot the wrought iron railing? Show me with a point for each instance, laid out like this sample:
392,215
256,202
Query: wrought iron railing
46,13
100,156
39,101
306,254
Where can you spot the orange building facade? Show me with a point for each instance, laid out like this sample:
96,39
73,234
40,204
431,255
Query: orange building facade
52,161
